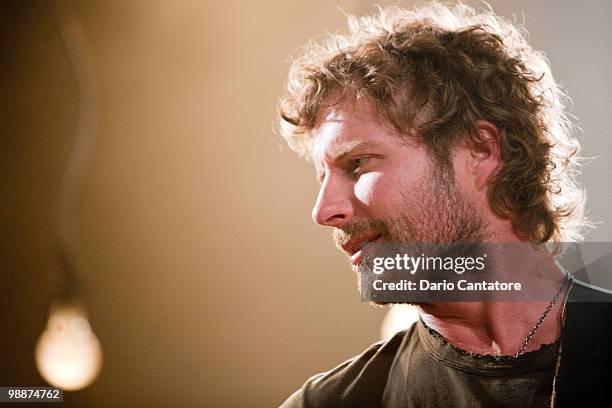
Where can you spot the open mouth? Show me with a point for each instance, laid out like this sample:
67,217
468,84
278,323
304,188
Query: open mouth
355,247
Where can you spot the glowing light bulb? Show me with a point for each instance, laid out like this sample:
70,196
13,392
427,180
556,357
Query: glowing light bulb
68,354
399,317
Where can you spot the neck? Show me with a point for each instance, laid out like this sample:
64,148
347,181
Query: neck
501,328
497,328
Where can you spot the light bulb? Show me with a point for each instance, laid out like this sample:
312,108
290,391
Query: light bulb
68,354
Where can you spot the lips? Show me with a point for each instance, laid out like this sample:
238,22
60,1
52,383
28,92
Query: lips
354,247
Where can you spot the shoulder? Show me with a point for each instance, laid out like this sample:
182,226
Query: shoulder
583,372
359,381
584,292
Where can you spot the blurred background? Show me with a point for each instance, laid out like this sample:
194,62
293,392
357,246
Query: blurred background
204,278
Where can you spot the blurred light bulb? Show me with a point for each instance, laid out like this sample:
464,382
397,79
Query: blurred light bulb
399,317
68,354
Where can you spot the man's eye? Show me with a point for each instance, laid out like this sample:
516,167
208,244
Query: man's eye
357,163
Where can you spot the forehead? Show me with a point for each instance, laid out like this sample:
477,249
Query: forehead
347,125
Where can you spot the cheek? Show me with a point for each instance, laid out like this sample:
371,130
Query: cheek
375,191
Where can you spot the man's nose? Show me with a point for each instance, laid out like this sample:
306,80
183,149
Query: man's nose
334,205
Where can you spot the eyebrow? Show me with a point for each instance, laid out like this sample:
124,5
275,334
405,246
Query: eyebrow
346,149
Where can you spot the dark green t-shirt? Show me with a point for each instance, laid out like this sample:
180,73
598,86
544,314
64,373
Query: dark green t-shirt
418,368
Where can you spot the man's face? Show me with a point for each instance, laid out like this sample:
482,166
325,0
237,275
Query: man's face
379,186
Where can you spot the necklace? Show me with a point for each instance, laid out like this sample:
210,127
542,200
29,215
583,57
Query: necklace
542,317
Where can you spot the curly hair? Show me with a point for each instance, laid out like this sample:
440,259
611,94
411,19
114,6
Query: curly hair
433,72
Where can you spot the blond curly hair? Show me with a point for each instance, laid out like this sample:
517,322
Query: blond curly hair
431,73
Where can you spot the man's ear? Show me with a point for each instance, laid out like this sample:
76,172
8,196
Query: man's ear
484,156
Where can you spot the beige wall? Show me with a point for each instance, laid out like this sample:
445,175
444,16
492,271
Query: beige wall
208,284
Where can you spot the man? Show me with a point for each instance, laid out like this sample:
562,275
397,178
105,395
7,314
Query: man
442,125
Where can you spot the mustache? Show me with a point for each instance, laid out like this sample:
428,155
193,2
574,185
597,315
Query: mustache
353,229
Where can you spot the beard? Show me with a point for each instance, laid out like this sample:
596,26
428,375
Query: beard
435,211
